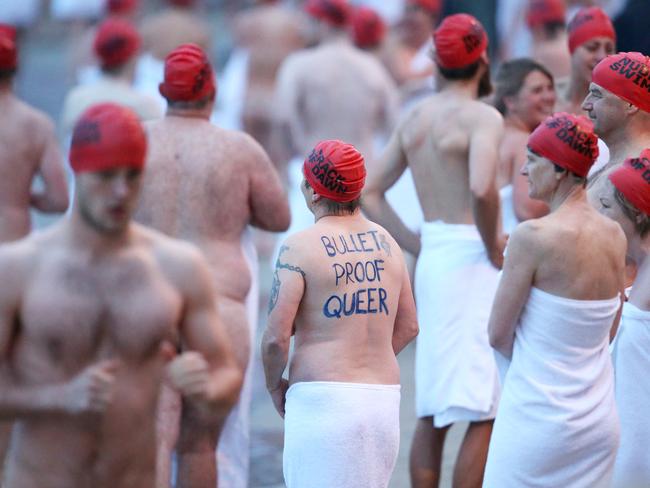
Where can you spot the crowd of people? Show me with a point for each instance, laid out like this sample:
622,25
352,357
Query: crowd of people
408,190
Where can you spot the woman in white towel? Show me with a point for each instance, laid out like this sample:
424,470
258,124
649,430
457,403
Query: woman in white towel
557,301
626,199
525,96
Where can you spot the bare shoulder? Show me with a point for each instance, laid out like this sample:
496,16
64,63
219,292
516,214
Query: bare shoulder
531,237
177,257
34,119
19,258
484,114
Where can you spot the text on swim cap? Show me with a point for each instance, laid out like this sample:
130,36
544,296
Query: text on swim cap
633,69
200,79
642,164
571,135
325,172
473,39
114,44
86,132
578,20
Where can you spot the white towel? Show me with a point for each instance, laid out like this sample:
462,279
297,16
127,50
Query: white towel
509,219
630,354
557,424
340,435
403,198
233,451
456,377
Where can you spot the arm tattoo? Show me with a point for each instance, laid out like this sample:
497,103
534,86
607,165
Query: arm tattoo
275,287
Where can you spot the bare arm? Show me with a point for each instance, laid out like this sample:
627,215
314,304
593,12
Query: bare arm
406,321
514,287
383,174
267,198
54,196
286,293
288,133
483,160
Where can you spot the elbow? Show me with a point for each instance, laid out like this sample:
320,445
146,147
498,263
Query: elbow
414,330
482,192
274,346
60,203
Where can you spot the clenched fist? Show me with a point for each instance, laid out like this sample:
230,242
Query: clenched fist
91,390
190,375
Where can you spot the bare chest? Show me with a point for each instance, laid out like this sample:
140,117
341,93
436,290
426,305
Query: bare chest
71,314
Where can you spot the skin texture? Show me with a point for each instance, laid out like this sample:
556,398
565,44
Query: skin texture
573,252
524,111
553,53
165,31
364,345
28,148
583,60
450,142
101,304
269,32
205,185
333,91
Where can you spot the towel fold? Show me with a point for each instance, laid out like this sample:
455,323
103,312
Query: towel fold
557,423
456,377
343,435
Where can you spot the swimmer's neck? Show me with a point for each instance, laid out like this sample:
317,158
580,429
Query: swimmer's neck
321,212
515,122
625,142
566,193
97,243
189,113
577,91
638,249
462,88
6,87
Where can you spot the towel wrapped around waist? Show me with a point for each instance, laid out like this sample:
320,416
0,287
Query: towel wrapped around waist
343,435
456,377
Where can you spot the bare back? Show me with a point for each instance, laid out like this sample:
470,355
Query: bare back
197,188
581,254
437,139
75,309
26,137
355,285
164,32
335,91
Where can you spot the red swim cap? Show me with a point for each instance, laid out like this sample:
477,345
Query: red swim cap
460,40
626,75
8,48
368,28
567,140
334,12
542,12
121,7
587,23
116,42
632,179
188,75
335,170
431,6
107,136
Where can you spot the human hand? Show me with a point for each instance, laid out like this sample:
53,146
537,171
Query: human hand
91,390
278,395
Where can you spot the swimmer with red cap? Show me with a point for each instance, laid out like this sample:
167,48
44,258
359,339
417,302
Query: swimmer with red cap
117,300
29,150
116,47
341,288
626,200
450,143
558,298
591,38
618,103
213,183
546,20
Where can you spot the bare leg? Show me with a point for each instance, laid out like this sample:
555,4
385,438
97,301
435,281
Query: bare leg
196,451
167,426
470,465
5,437
426,454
